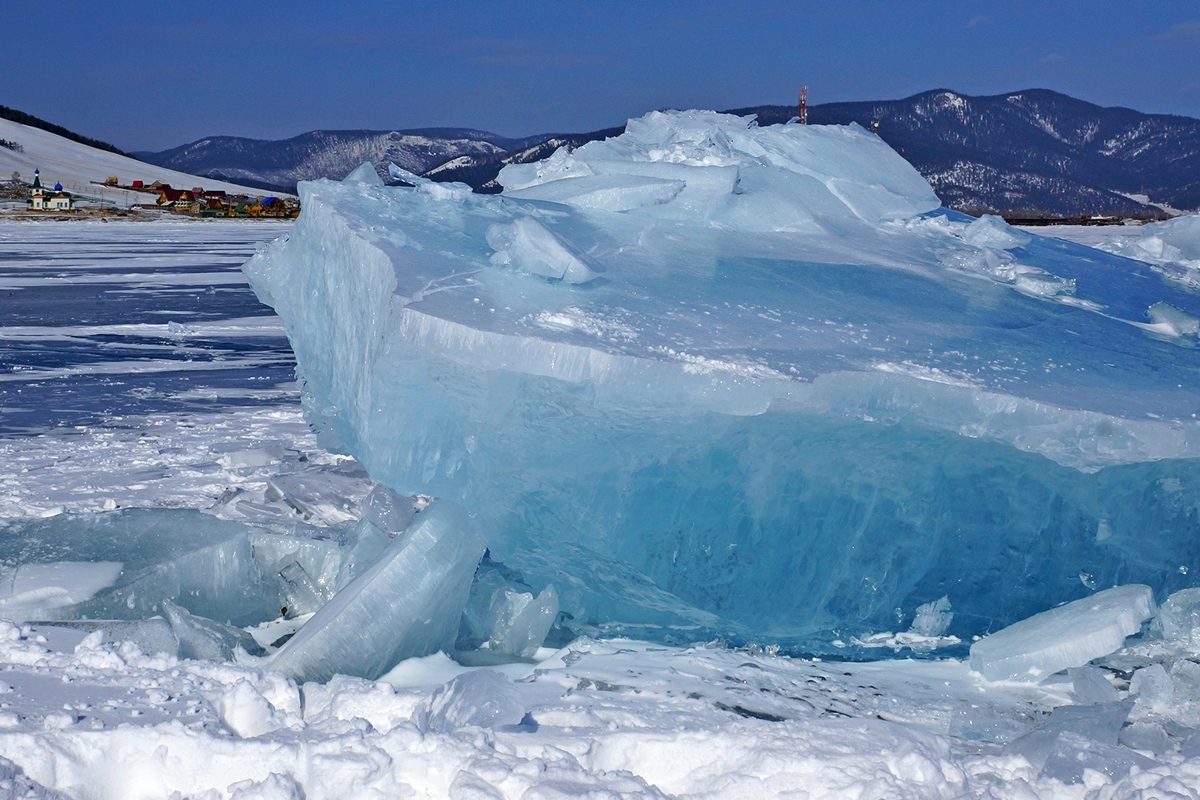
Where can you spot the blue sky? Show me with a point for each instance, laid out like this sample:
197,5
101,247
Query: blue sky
155,75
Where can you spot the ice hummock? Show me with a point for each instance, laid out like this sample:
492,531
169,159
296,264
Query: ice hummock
1171,246
1068,636
794,397
407,604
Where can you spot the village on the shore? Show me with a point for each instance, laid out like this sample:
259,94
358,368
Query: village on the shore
196,201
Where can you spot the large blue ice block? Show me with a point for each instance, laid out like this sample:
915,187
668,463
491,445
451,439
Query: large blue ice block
787,398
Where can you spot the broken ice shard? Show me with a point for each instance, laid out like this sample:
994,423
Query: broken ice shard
407,604
137,559
795,396
519,622
484,698
201,638
388,511
1089,686
503,616
1072,755
1179,615
526,244
933,619
1068,636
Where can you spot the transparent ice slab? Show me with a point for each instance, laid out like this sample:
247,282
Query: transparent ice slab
502,614
1065,637
407,604
203,564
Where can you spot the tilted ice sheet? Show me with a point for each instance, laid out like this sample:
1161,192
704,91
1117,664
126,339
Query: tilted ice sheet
790,397
407,604
1065,637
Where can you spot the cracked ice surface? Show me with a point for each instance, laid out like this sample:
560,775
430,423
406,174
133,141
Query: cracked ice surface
713,379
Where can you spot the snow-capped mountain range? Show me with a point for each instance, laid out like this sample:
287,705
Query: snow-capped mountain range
1023,154
327,154
1033,152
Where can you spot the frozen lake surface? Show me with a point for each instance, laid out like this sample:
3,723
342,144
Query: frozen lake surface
104,321
129,387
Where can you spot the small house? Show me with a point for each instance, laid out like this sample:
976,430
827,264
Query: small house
42,200
175,198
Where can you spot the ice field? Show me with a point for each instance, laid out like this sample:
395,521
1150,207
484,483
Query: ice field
762,536
99,323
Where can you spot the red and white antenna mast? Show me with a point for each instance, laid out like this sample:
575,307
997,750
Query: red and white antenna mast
803,105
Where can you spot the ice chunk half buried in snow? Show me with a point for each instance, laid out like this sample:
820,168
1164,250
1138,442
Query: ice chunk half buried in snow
1068,636
408,604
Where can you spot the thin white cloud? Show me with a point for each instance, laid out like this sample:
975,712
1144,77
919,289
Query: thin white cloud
1184,30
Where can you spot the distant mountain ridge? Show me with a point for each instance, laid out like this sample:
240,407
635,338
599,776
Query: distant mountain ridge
480,171
1034,153
1031,152
279,164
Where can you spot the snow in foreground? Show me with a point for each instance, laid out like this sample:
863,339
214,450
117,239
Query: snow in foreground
617,718
596,719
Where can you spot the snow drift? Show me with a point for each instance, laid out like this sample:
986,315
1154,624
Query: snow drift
709,378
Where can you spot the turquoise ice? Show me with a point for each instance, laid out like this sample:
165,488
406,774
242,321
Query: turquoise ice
708,378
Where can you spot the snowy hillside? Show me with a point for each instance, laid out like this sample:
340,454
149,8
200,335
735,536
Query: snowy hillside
326,154
79,168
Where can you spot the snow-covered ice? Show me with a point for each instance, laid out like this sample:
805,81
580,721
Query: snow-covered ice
1062,498
1171,247
620,717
